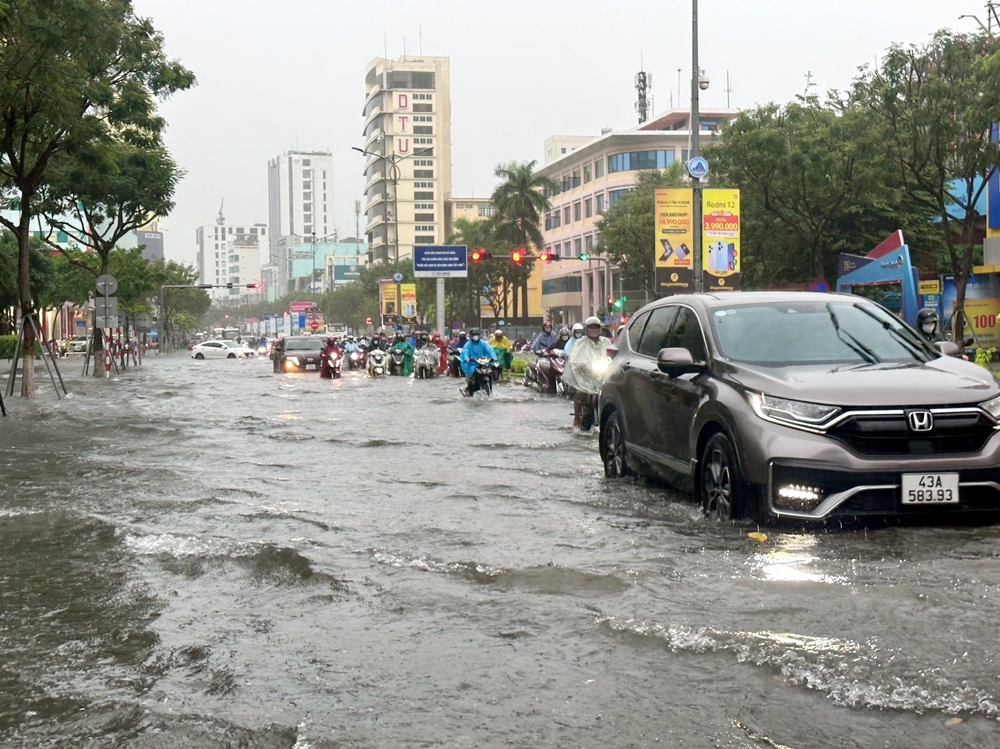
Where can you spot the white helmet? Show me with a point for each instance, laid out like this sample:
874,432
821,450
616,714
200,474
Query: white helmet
592,321
578,326
498,333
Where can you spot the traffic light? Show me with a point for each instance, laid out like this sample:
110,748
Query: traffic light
254,285
584,256
546,256
619,303
611,301
517,257
479,255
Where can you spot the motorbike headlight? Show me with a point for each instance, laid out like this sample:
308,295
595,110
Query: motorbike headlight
791,412
599,367
992,407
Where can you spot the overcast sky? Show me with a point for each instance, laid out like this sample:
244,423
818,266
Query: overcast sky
275,75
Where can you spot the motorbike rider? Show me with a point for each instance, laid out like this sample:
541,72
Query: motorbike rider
403,345
520,343
583,367
329,347
501,345
577,332
564,338
474,349
927,324
544,340
351,347
442,352
456,347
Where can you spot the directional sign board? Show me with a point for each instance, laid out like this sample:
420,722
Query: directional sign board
107,285
441,261
142,321
106,312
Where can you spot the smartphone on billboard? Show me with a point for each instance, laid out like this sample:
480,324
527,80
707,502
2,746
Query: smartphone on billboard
682,252
668,250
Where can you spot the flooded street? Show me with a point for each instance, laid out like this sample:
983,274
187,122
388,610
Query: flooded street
206,554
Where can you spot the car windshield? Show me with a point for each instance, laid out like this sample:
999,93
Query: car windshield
230,344
815,332
304,344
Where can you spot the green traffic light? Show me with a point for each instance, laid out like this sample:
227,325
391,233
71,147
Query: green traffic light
584,256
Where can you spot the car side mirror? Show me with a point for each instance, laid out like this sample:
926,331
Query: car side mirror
675,361
969,341
949,348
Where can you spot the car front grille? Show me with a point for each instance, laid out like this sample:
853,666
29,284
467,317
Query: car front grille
953,432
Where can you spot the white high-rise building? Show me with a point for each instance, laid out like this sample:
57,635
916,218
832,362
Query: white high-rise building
408,145
300,206
231,255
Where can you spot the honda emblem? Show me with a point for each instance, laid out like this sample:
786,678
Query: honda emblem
920,421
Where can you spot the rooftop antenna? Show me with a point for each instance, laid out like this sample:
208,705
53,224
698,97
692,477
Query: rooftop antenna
420,42
991,17
679,89
728,89
221,220
642,83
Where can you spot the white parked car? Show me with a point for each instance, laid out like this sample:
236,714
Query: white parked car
220,350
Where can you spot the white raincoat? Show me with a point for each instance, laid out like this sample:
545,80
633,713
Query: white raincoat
587,363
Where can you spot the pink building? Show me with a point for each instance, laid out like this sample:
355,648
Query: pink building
591,174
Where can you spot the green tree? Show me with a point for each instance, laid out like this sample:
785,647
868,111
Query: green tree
74,73
519,200
627,229
936,104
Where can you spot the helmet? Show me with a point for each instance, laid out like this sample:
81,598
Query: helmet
437,336
578,330
592,321
332,341
547,325
498,333
564,332
927,316
474,333
461,334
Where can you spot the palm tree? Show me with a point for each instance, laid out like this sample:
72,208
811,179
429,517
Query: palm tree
520,200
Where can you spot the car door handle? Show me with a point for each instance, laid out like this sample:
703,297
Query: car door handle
626,366
654,375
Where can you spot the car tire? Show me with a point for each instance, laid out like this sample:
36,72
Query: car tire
720,484
614,454
199,355
231,356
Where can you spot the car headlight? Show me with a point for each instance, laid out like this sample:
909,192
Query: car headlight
992,407
790,412
294,360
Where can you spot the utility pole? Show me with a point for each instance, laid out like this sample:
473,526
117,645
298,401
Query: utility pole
695,135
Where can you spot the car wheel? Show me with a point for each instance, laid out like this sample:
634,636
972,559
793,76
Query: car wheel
613,448
199,355
719,488
231,356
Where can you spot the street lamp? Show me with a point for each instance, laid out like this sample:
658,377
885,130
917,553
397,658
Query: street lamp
313,240
393,175
699,82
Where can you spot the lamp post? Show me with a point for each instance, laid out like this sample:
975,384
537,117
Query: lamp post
699,82
393,175
314,240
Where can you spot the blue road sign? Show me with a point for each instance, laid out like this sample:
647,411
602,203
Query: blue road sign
820,285
441,261
698,167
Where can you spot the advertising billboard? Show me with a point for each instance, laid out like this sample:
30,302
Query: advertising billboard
408,292
673,240
720,239
387,300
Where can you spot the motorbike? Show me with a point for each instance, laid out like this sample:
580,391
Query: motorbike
425,362
333,363
545,373
455,362
377,361
483,375
396,362
355,360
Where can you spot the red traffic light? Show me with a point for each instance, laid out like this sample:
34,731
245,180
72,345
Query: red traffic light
546,256
368,320
517,257
254,285
479,255
611,300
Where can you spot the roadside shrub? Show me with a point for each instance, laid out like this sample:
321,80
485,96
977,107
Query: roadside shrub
7,346
518,365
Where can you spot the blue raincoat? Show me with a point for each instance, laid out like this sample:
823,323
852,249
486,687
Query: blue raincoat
474,350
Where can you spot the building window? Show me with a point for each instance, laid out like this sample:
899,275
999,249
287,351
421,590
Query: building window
423,217
600,202
307,173
422,108
599,168
423,239
423,130
576,178
423,173
485,211
423,206
307,206
307,229
684,156
588,242
562,150
577,246
307,196
577,211
586,174
307,185
634,160
305,162
588,207
566,215
615,195
423,196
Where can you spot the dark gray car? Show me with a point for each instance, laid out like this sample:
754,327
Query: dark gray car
800,405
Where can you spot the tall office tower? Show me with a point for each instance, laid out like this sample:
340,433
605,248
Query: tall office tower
407,144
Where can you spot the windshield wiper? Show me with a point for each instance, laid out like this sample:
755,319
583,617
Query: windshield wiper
854,344
917,347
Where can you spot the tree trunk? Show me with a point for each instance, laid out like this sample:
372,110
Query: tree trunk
24,299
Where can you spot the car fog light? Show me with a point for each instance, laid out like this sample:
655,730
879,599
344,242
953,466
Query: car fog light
798,497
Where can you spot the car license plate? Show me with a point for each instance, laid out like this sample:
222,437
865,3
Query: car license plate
310,366
930,488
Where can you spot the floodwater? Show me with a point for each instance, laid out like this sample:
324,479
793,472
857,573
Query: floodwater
206,554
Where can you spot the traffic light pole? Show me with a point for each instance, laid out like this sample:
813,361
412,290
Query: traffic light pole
607,271
162,323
